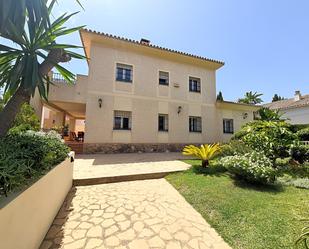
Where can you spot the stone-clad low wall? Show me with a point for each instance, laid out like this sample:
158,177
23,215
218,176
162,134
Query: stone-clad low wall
108,148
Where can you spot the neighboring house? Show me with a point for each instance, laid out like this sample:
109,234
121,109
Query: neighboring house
296,109
141,97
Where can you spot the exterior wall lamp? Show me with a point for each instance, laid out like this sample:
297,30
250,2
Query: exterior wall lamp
179,109
100,102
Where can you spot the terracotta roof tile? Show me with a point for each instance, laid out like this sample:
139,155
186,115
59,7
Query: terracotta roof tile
152,46
289,103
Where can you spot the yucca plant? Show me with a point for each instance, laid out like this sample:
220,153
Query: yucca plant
25,65
205,152
304,237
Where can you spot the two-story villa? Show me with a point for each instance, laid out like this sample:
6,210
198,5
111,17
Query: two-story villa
141,97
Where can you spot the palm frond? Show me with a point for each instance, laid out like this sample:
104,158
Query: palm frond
21,66
204,152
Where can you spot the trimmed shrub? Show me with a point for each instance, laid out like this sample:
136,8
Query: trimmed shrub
303,135
239,134
299,152
235,148
297,127
297,182
273,138
252,167
282,163
24,156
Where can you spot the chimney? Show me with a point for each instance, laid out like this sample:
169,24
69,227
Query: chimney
145,42
297,96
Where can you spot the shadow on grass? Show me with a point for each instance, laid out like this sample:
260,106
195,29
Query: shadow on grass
270,188
212,170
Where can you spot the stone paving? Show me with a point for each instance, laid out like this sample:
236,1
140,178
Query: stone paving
130,215
111,165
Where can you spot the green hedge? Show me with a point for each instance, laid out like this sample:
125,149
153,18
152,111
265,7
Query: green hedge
303,134
297,127
24,156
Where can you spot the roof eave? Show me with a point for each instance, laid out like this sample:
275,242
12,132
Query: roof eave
230,104
216,63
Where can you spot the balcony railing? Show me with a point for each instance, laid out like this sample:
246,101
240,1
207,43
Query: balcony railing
57,78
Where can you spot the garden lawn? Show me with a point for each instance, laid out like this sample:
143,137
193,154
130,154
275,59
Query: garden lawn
245,216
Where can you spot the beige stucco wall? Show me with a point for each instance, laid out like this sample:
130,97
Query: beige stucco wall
25,220
72,93
52,118
237,116
145,98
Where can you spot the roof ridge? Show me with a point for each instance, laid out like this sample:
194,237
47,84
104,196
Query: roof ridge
152,46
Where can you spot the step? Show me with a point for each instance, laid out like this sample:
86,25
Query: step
120,178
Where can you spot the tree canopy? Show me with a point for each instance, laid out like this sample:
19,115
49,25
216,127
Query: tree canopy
251,98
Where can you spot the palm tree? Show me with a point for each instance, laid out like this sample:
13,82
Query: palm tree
24,67
16,13
251,98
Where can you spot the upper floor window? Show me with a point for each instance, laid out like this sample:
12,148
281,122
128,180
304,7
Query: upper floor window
163,78
124,72
228,126
194,84
195,124
122,120
163,122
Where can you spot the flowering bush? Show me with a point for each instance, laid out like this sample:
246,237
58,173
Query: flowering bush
252,167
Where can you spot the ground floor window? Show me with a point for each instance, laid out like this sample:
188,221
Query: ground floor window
163,122
122,120
195,124
228,126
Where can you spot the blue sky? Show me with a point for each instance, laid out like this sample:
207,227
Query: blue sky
264,43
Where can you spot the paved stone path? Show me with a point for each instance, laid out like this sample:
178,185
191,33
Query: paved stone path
111,165
130,215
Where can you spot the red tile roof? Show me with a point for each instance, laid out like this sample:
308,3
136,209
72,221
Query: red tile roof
289,103
152,46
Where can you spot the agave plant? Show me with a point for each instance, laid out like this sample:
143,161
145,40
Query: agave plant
204,152
304,237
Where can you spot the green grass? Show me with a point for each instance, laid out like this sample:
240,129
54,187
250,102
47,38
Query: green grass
246,216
